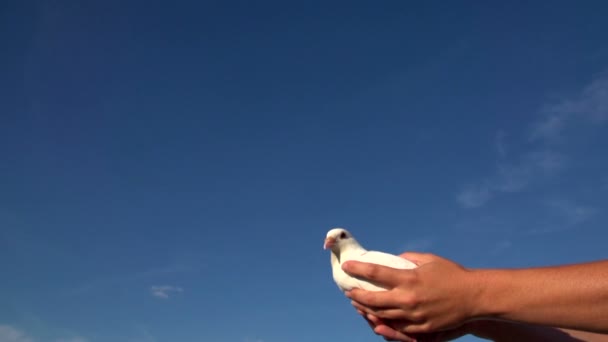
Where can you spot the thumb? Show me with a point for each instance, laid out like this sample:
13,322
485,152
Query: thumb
419,258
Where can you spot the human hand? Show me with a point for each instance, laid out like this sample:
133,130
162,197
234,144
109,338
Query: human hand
385,330
487,329
438,295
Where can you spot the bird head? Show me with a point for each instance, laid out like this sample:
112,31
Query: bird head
336,238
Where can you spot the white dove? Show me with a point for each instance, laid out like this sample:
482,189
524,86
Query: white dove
344,248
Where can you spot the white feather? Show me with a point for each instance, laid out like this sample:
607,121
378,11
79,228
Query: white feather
349,249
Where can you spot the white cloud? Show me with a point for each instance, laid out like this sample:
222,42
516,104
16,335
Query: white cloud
501,145
113,281
565,215
573,213
474,196
142,335
512,177
542,158
545,161
550,127
164,291
591,105
11,334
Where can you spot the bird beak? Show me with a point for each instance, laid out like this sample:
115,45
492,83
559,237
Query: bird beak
329,243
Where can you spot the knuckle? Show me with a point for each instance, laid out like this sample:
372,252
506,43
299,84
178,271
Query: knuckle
426,327
371,272
392,314
408,301
417,316
355,294
367,298
408,279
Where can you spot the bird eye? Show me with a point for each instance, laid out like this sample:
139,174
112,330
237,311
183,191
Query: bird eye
343,235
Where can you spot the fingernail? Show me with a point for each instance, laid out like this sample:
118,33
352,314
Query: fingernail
346,266
347,293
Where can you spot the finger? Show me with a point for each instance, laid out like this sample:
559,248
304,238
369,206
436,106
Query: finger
364,315
391,334
413,328
381,313
369,322
374,319
377,299
419,258
378,274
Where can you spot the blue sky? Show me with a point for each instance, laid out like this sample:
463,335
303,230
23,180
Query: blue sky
170,169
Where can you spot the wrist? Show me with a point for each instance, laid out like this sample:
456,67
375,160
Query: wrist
485,302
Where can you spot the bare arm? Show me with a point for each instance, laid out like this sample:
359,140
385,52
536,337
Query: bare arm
441,294
493,330
504,331
573,296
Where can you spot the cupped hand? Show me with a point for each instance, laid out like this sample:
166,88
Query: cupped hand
385,329
438,295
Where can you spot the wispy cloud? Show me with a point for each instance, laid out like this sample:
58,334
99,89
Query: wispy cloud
12,334
563,215
475,195
113,280
9,333
542,157
164,291
550,127
501,145
143,335
512,177
573,213
591,105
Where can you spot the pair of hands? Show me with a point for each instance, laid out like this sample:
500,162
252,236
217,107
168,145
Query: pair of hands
383,328
432,302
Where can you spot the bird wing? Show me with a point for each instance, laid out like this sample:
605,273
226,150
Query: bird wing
384,259
347,282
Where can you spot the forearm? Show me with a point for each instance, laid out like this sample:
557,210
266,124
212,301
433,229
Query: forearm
574,297
504,331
